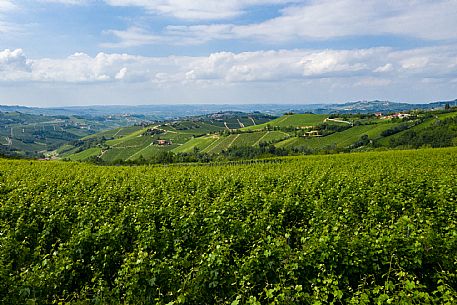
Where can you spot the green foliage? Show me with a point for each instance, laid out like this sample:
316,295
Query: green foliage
394,130
440,134
368,228
290,122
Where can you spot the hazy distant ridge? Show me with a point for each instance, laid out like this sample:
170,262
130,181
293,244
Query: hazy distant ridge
177,110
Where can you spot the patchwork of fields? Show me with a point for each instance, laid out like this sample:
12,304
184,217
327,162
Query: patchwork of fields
290,134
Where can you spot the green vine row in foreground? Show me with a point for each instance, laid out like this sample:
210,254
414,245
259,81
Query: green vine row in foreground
367,228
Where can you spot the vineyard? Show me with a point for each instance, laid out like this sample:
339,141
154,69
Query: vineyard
339,139
298,120
366,228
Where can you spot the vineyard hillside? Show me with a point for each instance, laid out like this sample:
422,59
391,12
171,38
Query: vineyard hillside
213,138
149,140
292,120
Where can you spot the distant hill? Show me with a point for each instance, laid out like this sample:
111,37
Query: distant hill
32,135
167,112
379,106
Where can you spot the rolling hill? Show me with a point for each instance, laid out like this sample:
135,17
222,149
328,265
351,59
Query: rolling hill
217,134
39,135
204,133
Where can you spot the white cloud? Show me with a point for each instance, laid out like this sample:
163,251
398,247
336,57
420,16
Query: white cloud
133,37
197,10
7,5
279,66
121,74
385,68
81,68
5,27
338,18
315,20
372,82
14,65
67,2
273,76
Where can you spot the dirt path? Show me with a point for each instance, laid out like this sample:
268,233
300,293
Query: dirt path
258,141
114,135
233,141
152,143
102,153
338,121
210,146
282,120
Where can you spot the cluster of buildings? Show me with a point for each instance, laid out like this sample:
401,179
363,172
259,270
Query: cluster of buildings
392,116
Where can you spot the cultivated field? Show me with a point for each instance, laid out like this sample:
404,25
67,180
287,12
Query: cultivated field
367,228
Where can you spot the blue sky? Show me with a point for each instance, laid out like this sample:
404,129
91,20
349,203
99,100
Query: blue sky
85,52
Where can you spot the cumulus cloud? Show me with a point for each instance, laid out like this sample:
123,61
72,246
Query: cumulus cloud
312,20
225,77
81,68
121,74
374,65
14,65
